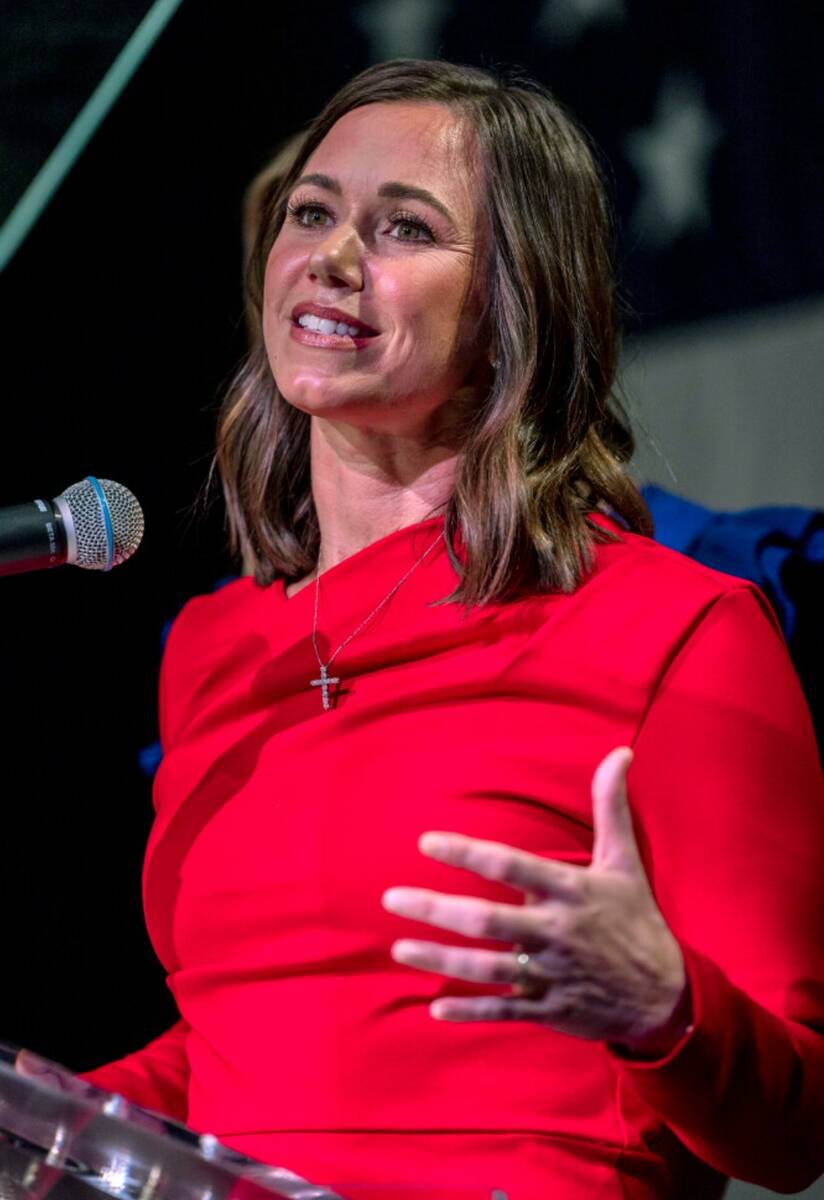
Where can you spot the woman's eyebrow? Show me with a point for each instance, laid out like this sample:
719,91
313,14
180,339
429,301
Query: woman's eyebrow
408,191
322,181
396,191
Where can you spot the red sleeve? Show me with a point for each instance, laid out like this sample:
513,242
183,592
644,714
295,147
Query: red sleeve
155,1077
726,790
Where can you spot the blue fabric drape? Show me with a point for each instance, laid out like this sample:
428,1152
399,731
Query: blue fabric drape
780,548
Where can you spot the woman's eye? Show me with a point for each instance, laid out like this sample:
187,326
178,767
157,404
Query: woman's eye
310,215
411,229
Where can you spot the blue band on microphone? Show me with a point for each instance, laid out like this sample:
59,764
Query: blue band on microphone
107,521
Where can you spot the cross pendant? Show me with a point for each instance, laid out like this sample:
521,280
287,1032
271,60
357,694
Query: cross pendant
328,683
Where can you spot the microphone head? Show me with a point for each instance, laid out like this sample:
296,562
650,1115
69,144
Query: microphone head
104,523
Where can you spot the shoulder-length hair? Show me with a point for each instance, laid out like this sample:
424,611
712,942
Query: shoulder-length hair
548,445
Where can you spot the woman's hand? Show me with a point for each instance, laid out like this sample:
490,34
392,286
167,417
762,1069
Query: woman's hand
592,956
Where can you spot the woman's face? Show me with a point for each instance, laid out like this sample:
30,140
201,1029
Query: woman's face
372,303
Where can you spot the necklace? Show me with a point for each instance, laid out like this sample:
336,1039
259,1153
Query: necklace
328,683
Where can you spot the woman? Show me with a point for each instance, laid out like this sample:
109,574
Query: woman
456,616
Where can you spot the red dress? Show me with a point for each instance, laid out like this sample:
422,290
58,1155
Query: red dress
279,826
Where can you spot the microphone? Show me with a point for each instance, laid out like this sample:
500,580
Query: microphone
96,524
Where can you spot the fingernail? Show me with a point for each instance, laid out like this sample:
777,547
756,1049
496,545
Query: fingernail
393,898
401,951
624,756
432,843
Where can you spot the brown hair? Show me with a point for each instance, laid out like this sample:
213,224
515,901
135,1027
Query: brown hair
257,202
548,444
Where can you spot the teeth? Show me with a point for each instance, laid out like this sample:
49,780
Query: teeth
319,325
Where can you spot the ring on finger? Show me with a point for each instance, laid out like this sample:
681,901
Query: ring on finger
528,981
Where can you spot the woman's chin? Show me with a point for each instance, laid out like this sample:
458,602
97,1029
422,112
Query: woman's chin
323,401
342,399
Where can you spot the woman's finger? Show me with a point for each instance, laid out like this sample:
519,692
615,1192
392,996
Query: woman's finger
502,864
614,844
469,915
489,1008
459,962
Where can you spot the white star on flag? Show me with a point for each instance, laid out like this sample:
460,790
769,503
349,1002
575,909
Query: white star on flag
672,158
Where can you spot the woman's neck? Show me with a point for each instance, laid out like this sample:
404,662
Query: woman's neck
366,486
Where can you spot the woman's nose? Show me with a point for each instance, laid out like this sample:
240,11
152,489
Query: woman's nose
337,261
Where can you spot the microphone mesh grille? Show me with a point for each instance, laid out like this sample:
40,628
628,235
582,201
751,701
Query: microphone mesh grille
90,526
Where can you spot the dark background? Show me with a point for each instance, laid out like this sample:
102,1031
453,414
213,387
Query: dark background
123,321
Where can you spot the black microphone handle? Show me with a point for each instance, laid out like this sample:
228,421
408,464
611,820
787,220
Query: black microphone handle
32,537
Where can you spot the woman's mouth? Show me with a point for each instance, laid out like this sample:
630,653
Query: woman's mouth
320,325
329,328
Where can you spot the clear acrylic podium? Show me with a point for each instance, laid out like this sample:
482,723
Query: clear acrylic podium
62,1138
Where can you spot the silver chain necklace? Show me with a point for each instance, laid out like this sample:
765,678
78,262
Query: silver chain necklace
328,683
